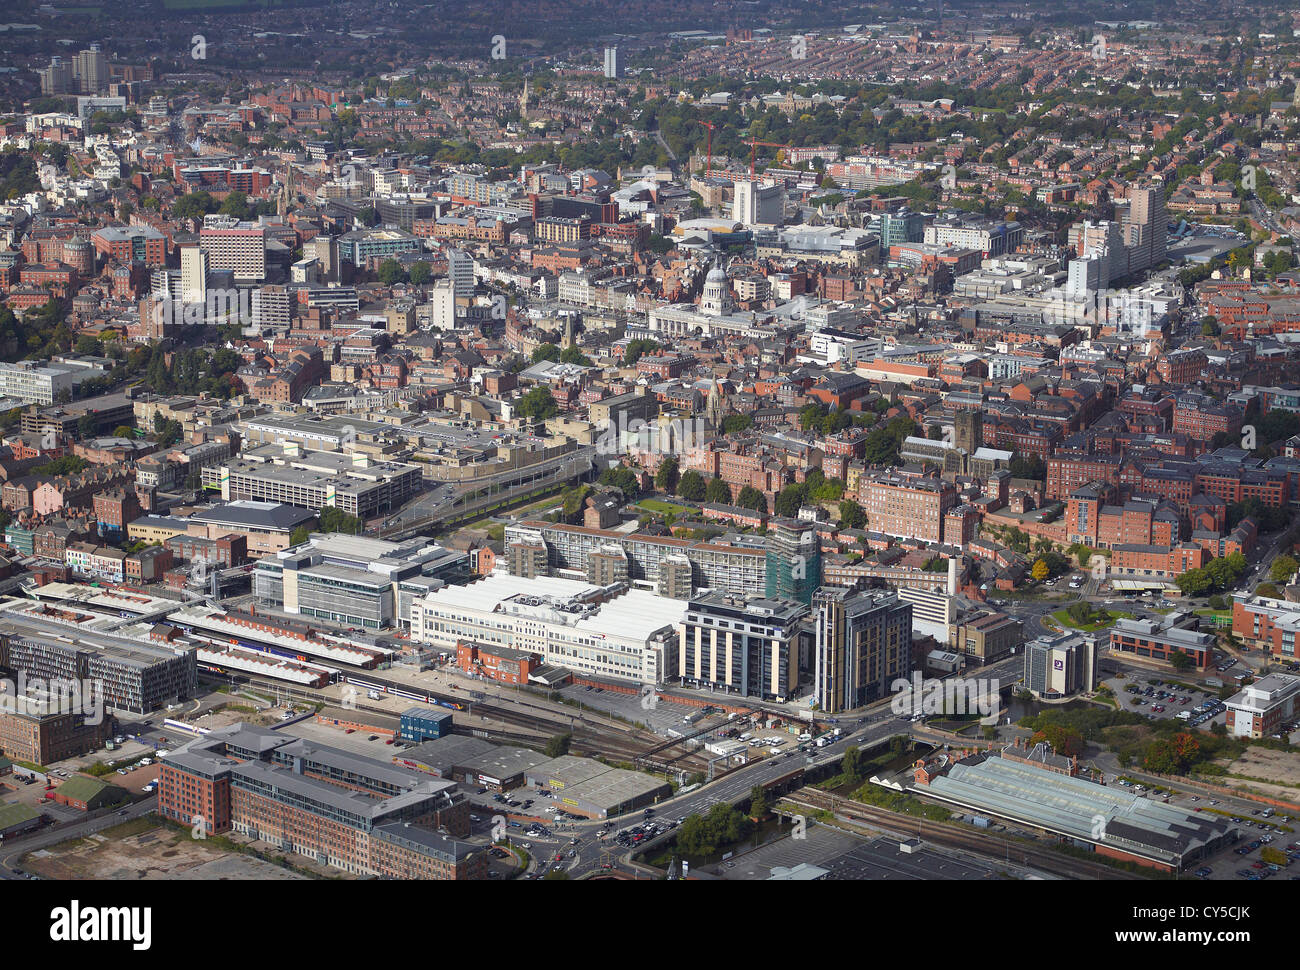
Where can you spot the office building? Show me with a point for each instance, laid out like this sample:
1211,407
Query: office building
1060,665
908,506
38,732
194,274
35,383
239,247
714,565
794,561
354,483
1158,638
355,580
742,646
360,815
901,227
460,270
1260,709
361,245
626,635
758,204
862,644
982,636
991,239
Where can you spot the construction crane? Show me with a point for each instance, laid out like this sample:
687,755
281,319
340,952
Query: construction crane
708,163
753,144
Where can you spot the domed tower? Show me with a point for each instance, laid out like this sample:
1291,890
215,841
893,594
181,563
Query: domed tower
717,301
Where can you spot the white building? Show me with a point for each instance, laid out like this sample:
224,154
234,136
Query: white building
613,63
460,270
572,624
442,305
756,204
1259,709
34,383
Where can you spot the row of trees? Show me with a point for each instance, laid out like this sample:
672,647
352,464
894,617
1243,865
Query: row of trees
1216,575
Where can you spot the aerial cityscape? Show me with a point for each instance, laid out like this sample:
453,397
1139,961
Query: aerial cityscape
716,442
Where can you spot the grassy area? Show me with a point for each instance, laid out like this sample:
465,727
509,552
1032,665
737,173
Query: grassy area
1063,617
894,801
136,826
657,505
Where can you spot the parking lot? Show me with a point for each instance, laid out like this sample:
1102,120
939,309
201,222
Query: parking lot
361,742
849,857
1157,699
1245,862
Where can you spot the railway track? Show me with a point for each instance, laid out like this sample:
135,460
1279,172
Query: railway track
947,835
618,742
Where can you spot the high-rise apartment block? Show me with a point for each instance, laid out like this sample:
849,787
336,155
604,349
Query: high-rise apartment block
863,643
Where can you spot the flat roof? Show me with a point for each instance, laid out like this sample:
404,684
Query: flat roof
1071,806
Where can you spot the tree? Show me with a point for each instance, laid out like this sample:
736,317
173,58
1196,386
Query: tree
638,348
717,492
1283,568
336,520
124,431
691,486
1040,571
546,352
299,535
623,479
1272,856
572,355
1180,661
666,476
789,500
538,404
194,206
704,835
558,745
1064,741
390,272
752,498
850,766
736,423
757,802
852,515
1172,755
236,204
420,273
